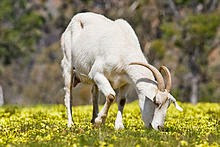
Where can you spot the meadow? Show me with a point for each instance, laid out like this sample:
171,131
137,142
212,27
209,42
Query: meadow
45,125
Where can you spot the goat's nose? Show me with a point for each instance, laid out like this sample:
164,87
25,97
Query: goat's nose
160,127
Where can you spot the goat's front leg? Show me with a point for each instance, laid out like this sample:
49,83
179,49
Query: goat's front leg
121,100
119,122
105,87
95,97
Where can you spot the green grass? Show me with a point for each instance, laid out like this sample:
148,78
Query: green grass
46,126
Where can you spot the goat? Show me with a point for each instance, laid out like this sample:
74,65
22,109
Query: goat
107,54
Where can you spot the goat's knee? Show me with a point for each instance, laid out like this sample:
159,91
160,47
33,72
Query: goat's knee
110,98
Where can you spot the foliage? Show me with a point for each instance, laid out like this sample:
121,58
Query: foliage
202,25
210,87
194,37
158,48
20,29
46,125
195,29
187,2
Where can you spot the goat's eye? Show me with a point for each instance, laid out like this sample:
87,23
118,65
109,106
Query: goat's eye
169,103
166,99
155,102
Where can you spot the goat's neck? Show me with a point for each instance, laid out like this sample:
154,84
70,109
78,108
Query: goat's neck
144,82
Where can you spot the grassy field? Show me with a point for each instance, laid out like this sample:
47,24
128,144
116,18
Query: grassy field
46,126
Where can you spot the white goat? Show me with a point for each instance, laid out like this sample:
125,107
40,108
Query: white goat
107,54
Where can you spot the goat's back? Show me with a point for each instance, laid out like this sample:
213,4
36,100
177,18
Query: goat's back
95,36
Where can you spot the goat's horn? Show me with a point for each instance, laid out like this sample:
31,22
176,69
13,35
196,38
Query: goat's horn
157,74
167,77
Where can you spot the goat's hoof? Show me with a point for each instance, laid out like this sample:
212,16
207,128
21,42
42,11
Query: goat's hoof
119,126
69,124
103,117
98,122
92,121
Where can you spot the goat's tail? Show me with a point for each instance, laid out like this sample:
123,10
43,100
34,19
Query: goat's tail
76,27
70,36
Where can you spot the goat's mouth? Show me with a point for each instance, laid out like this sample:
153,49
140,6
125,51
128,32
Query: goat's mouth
160,128
157,127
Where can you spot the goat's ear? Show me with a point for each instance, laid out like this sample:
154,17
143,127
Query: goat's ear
175,103
178,107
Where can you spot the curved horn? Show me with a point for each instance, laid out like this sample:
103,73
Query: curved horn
156,73
167,77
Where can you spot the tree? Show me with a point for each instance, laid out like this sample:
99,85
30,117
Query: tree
194,37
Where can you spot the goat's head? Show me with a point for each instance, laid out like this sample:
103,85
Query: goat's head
158,108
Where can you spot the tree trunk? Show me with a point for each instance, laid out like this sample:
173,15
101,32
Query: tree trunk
173,8
1,96
214,4
195,71
194,90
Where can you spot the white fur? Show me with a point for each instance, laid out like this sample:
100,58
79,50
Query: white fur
100,50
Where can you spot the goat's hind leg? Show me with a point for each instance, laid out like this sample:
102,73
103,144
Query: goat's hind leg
69,81
95,97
